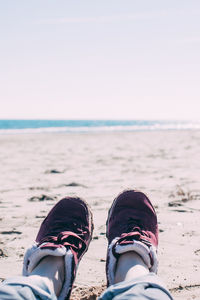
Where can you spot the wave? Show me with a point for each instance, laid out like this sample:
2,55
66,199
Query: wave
85,129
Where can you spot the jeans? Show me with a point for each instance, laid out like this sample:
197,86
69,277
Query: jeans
24,288
148,287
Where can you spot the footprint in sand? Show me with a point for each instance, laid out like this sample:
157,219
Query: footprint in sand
2,253
73,184
197,252
11,232
53,171
42,198
175,203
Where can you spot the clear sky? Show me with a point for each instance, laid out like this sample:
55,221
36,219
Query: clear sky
100,59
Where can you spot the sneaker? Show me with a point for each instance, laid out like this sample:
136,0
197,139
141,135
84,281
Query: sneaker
131,226
66,231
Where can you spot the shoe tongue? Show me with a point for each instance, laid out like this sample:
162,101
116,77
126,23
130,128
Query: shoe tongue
48,242
68,239
49,245
126,238
72,240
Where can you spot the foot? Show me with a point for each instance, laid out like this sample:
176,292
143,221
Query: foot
131,226
66,231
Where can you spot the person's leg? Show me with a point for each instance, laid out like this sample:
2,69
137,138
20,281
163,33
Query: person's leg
50,264
132,233
51,270
130,265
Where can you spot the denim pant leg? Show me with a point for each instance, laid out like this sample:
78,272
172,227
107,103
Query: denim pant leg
25,288
148,287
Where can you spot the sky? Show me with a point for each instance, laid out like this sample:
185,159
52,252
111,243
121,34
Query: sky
100,59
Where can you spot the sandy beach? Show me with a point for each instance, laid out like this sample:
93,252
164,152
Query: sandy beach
37,170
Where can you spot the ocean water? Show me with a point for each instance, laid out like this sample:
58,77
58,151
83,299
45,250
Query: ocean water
37,126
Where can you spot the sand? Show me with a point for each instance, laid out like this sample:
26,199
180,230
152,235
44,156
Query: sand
37,170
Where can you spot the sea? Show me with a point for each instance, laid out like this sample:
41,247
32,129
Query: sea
39,126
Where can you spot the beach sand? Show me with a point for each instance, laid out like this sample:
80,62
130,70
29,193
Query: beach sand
37,170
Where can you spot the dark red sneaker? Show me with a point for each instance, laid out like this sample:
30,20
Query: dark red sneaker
66,231
131,226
